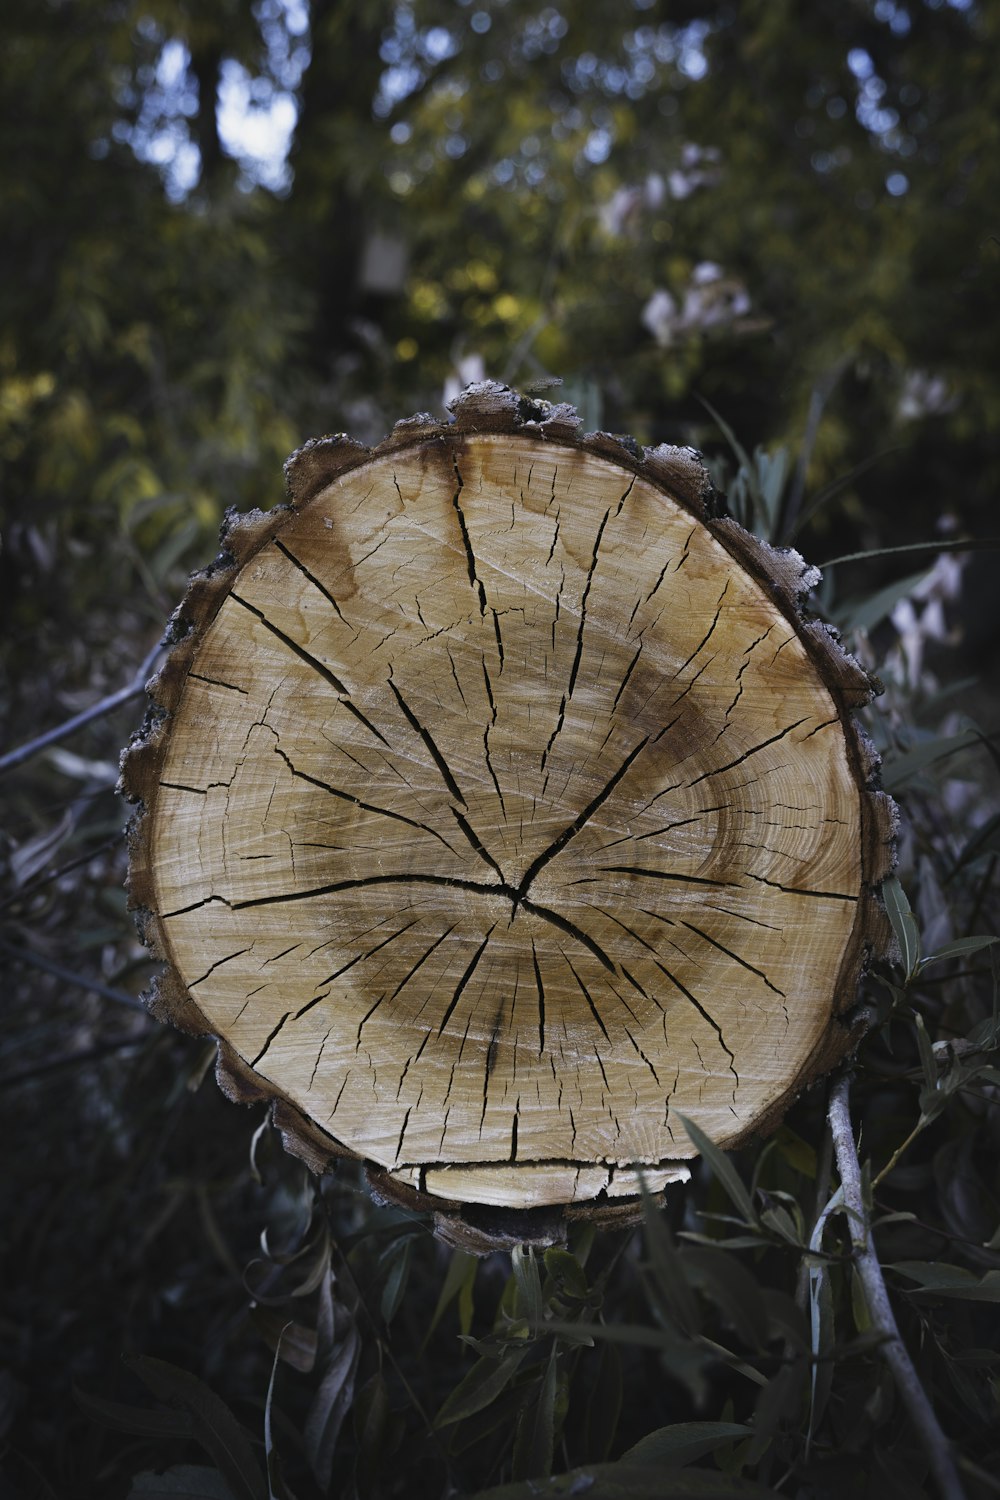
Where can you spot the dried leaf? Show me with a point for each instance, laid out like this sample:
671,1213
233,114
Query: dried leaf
29,858
331,1404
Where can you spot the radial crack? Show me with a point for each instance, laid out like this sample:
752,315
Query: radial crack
428,740
470,556
319,667
450,1009
578,822
333,791
735,956
271,1036
298,563
359,958
583,605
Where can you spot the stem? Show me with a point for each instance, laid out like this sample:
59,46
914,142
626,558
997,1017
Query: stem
89,986
894,1158
912,1393
95,711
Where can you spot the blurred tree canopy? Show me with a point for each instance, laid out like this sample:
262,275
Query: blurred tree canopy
233,224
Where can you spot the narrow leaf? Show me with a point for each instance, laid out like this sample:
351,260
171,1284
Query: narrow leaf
214,1426
722,1167
951,1281
897,769
480,1387
867,612
633,1482
535,1443
183,1482
459,1280
960,946
277,1489
904,924
529,1285
136,1419
683,1442
331,1404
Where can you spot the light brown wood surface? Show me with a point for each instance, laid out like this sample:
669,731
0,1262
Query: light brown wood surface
504,814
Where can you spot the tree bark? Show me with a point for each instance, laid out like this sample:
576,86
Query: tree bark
499,806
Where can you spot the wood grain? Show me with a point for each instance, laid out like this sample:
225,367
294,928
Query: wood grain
505,810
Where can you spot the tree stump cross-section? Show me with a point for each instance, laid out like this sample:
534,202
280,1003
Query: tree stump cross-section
499,808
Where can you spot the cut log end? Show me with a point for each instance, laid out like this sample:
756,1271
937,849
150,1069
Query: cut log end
500,808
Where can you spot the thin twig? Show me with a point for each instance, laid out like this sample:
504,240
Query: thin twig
90,986
71,1060
95,711
920,1126
912,1393
39,884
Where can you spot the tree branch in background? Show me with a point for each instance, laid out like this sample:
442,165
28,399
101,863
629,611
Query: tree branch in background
89,986
914,1397
96,711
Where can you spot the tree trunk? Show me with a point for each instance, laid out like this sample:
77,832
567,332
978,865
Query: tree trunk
500,808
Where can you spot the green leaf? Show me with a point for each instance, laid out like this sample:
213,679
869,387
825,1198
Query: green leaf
214,1426
458,1282
604,1400
567,1272
676,1301
371,1424
722,1167
183,1482
867,612
142,1421
734,1290
682,1443
859,1303
897,769
958,947
534,1443
778,1219
925,1050
395,1282
627,1481
797,1152
904,924
529,1285
481,1386
950,1281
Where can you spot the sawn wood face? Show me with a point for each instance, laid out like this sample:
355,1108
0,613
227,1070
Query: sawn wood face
503,818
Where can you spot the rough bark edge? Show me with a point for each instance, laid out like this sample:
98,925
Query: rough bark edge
490,408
